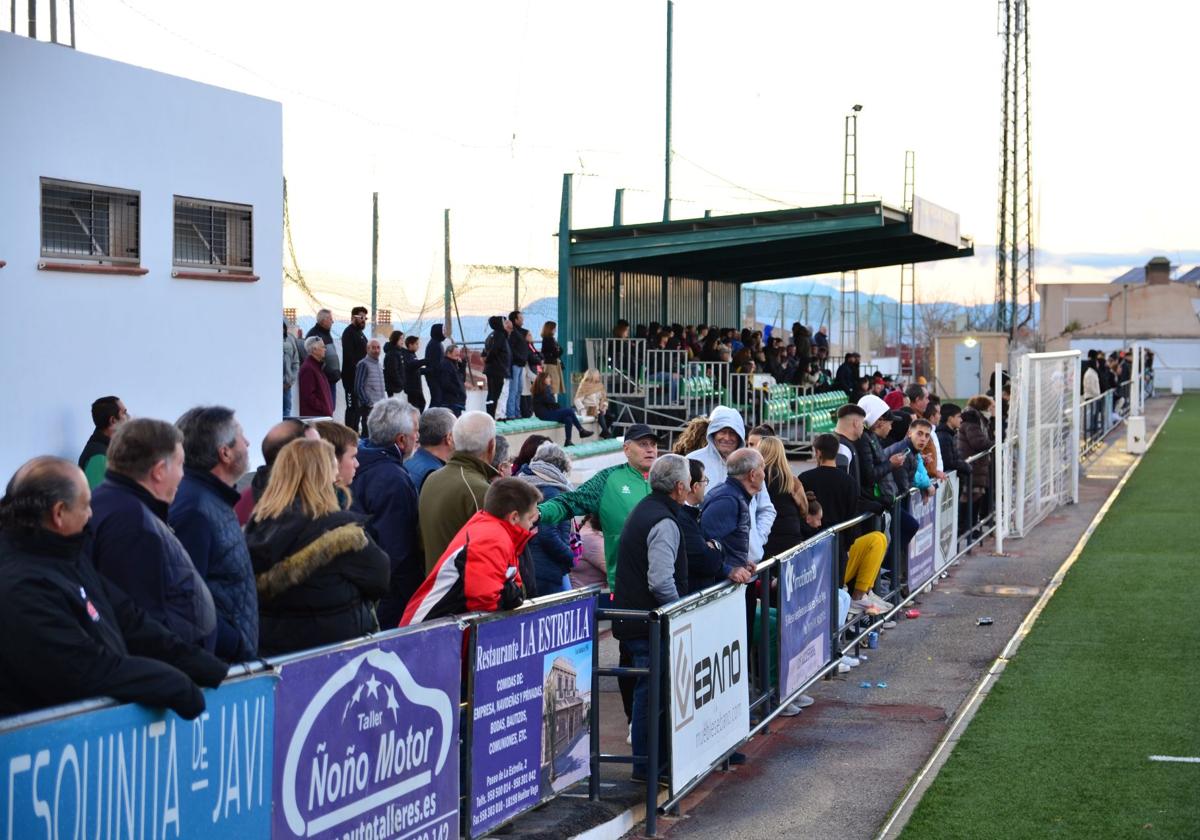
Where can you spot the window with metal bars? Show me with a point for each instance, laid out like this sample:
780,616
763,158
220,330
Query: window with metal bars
87,222
210,234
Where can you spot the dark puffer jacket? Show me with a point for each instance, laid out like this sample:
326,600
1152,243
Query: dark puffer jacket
973,438
134,548
317,580
393,368
203,518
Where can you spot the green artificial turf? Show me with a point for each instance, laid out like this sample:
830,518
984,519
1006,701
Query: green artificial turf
1109,675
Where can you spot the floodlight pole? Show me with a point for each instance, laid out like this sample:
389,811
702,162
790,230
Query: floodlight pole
374,257
998,457
667,160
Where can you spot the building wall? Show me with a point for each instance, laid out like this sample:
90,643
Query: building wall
161,344
1106,309
992,347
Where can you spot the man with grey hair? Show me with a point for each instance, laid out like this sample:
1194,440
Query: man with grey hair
651,572
368,384
323,329
215,455
725,512
437,445
385,493
314,395
68,633
454,493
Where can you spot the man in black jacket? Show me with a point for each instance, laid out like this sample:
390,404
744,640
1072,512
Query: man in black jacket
497,361
918,400
434,354
413,368
354,349
518,341
69,634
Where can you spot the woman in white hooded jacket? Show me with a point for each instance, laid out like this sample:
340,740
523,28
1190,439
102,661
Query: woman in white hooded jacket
762,511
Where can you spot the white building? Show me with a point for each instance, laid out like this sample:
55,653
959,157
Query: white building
141,245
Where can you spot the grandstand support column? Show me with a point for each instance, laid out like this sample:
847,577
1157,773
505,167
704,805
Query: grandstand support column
374,257
998,462
566,328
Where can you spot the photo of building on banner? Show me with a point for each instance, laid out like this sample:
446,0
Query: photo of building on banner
710,694
805,621
130,771
532,695
366,739
947,521
921,549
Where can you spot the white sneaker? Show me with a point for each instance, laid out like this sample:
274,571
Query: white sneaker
852,661
842,667
888,625
879,602
790,710
629,735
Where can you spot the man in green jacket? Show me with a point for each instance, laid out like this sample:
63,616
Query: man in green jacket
611,493
454,493
107,414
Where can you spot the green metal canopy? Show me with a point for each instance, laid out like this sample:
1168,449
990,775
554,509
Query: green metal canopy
766,246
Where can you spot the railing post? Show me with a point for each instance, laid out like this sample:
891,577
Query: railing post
655,729
764,640
594,727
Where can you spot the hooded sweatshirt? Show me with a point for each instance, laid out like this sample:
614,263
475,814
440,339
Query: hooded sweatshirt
762,511
434,355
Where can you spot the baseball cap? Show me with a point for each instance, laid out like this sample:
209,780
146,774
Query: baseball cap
638,431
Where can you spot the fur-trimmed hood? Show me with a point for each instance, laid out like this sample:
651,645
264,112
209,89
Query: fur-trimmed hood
288,550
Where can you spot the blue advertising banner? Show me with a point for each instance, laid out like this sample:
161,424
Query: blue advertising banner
921,549
804,616
135,772
532,693
366,739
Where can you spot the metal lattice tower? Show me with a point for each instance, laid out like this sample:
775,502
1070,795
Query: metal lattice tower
848,299
907,316
1014,240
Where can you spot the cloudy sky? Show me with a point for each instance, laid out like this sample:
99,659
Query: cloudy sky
481,106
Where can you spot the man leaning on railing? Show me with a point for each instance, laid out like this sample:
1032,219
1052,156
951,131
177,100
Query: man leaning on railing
69,634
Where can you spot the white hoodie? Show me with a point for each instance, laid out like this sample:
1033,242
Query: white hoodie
762,511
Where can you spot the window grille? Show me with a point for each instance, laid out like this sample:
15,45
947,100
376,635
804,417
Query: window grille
87,222
210,234
289,315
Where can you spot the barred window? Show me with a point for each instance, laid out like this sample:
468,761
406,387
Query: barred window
87,222
210,234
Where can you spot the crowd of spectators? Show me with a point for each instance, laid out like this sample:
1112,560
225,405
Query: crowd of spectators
151,585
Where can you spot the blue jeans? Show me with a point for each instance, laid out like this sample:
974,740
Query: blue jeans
639,652
287,401
566,416
515,378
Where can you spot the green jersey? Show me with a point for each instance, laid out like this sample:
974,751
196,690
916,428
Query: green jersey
612,493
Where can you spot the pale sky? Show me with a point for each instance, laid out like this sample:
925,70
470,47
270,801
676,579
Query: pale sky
482,106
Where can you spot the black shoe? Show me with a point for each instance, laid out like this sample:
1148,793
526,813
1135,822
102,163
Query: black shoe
664,778
737,758
584,433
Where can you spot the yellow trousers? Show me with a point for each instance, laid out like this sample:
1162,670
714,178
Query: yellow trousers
866,556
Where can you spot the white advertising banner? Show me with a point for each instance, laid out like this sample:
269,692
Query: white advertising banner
709,676
947,522
937,223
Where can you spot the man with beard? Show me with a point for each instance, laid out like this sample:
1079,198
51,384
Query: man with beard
354,350
215,455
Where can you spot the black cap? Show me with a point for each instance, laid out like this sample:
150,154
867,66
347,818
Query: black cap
638,431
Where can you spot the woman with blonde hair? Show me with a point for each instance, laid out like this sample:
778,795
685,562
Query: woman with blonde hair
318,571
788,496
693,437
591,400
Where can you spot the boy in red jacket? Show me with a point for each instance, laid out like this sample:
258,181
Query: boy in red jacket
478,570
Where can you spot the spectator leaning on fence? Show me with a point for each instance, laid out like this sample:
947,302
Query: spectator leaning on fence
652,567
705,557
132,544
215,455
384,492
68,633
107,414
479,570
455,493
436,439
318,571
725,513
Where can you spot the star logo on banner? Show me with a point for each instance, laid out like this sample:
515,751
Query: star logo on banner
372,686
354,699
392,705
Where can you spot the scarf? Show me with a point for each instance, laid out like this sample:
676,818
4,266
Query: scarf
541,472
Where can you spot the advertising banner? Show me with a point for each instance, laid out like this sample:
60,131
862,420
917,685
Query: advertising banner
532,693
131,771
921,549
366,739
804,616
947,522
709,676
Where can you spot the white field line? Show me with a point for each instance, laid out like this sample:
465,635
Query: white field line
1182,759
